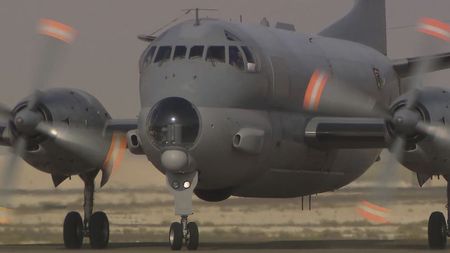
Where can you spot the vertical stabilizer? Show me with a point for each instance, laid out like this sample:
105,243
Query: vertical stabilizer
365,24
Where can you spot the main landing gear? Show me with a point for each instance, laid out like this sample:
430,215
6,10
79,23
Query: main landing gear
95,225
438,227
183,232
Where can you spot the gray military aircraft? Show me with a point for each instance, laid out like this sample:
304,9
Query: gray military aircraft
231,109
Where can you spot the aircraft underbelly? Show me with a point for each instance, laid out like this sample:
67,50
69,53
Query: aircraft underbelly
285,183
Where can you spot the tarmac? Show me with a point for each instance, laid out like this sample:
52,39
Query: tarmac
341,246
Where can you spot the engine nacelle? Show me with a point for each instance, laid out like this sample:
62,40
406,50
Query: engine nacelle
425,154
72,109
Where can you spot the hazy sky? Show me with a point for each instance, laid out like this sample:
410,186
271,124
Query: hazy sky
103,59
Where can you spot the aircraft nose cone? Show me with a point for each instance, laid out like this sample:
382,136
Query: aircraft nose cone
26,121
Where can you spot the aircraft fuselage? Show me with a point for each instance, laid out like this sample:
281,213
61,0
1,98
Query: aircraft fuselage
261,97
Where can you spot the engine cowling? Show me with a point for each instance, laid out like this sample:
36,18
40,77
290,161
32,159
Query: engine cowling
72,110
425,154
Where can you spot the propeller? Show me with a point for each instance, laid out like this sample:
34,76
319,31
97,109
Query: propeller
404,121
407,121
55,37
88,144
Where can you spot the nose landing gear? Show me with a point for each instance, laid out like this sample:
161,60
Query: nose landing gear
182,187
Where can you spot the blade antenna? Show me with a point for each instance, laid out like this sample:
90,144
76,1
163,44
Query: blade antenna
197,16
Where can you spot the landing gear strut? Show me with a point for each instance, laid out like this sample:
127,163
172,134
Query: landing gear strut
95,225
438,227
182,187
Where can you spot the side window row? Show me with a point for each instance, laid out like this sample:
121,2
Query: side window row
240,57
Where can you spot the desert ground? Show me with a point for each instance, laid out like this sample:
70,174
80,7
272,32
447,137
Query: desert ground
140,210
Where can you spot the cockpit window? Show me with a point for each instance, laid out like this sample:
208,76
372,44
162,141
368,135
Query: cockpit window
236,58
163,54
196,52
216,54
149,56
251,62
180,53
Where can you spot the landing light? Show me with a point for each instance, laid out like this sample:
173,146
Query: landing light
54,132
186,184
173,119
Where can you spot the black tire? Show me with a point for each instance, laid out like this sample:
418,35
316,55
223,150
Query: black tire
193,237
437,231
99,230
176,236
73,231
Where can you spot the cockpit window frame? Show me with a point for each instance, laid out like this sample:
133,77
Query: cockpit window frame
197,57
239,66
250,67
179,57
216,60
148,55
164,58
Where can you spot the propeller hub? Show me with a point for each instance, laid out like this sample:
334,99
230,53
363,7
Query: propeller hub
26,121
405,121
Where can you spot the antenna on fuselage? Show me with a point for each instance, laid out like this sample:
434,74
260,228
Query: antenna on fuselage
197,16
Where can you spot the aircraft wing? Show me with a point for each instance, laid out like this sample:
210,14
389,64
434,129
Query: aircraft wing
115,125
406,67
121,125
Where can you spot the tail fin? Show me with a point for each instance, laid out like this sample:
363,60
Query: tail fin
365,24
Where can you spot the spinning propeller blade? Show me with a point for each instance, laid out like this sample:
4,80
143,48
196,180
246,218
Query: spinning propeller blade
440,134
55,36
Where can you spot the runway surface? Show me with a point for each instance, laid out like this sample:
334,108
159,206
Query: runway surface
366,246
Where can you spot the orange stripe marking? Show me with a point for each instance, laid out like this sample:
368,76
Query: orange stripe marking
314,90
319,94
310,88
372,217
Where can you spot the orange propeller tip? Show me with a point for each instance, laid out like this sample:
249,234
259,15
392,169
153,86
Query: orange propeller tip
57,30
435,28
5,215
116,151
373,213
